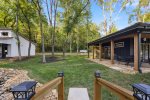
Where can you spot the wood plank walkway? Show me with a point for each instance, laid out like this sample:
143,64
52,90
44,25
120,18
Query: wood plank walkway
78,94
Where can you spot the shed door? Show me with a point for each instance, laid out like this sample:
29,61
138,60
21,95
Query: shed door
4,50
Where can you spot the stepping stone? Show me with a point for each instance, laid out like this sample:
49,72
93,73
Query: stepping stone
78,94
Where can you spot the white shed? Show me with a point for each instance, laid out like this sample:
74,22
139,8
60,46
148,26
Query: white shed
9,47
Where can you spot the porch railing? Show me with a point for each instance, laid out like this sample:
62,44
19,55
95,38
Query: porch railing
123,93
42,91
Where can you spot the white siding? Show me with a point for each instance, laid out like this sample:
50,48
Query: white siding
13,47
8,51
9,33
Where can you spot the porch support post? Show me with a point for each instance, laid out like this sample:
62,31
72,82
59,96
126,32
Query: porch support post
137,50
100,52
95,54
112,51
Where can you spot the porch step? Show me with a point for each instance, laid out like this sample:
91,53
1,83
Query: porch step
78,94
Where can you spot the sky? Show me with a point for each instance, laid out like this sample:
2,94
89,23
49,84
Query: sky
97,17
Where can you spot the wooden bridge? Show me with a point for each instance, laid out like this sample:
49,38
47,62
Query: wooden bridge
81,93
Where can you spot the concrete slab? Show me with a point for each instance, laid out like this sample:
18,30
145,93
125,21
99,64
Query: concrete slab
78,94
120,66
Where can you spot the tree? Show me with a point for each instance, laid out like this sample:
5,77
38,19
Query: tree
17,29
111,8
137,14
52,14
73,10
28,12
37,3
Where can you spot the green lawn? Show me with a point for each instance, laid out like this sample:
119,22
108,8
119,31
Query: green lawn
79,72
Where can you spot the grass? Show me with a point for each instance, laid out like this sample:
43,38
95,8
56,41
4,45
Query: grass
79,72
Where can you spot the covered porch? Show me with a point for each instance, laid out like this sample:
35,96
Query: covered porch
121,66
128,48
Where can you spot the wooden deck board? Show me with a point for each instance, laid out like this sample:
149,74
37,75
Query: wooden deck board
78,94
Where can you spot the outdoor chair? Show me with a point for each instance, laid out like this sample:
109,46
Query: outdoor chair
129,59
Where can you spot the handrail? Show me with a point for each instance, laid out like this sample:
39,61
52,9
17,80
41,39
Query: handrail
123,93
43,90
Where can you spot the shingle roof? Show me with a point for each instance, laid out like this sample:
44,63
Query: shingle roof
137,27
19,35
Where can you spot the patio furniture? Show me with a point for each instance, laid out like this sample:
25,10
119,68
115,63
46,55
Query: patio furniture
129,59
141,91
24,91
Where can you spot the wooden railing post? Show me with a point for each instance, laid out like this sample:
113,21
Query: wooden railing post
61,87
97,87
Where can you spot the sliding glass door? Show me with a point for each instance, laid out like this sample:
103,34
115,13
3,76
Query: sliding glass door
145,47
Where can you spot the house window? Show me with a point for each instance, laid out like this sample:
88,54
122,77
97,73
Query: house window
4,33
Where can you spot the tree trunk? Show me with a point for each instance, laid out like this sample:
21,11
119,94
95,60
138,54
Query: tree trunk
29,48
17,29
54,32
42,35
49,16
63,52
77,47
70,44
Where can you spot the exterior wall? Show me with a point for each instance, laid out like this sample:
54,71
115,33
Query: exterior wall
24,47
123,51
131,47
8,51
13,47
10,34
119,52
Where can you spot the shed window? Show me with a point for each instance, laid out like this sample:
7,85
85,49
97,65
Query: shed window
4,33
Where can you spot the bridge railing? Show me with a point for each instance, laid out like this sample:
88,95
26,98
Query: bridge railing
122,93
58,83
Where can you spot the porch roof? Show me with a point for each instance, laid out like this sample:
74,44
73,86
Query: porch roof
136,28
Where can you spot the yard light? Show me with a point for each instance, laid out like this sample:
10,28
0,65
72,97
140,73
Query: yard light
60,74
141,91
24,91
97,74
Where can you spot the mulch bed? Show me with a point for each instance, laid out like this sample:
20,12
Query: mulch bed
53,59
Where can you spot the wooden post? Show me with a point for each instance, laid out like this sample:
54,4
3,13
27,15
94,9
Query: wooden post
136,55
97,87
112,51
100,52
95,54
61,87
